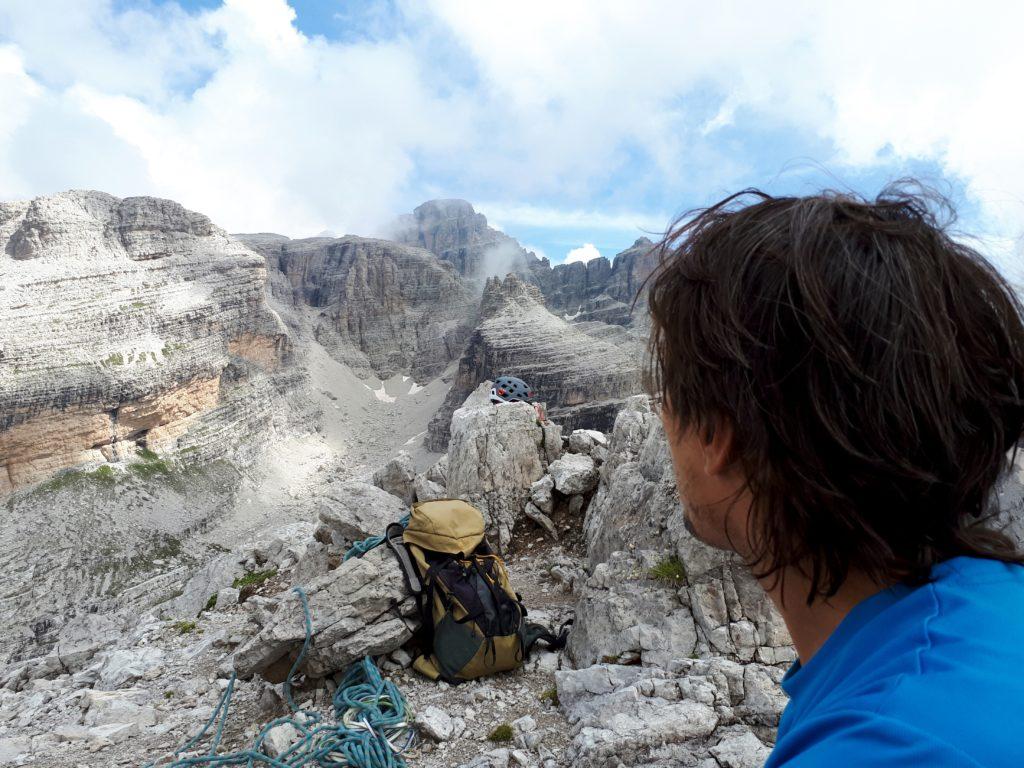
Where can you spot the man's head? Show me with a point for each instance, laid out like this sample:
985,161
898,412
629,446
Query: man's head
841,382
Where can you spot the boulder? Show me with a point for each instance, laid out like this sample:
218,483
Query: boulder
740,749
497,453
124,666
586,441
279,739
359,608
540,494
435,723
541,519
629,715
130,705
623,615
398,478
83,636
355,510
574,473
428,490
281,546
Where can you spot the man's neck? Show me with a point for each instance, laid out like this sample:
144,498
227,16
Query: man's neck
811,625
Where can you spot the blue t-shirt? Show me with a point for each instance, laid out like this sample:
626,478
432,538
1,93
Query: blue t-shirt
916,676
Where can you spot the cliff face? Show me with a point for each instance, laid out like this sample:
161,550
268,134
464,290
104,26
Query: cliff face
380,306
600,289
123,323
583,371
454,232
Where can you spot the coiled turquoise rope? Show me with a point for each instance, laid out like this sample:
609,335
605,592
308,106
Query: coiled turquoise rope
372,727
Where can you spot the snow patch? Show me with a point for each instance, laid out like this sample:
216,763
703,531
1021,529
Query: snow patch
570,318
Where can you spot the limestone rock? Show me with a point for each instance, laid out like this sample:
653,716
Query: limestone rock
541,519
435,723
280,738
618,720
624,615
123,666
496,454
361,607
629,715
540,494
398,478
131,705
118,321
587,441
741,749
354,510
600,289
574,473
83,636
635,508
427,490
459,235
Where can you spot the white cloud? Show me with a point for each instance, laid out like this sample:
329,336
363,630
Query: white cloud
583,254
511,215
597,104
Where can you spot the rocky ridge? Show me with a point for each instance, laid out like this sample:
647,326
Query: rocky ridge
675,657
583,371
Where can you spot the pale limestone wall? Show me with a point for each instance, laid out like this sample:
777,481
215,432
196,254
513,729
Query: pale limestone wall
117,318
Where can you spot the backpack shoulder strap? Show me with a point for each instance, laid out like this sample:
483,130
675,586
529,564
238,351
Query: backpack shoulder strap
393,538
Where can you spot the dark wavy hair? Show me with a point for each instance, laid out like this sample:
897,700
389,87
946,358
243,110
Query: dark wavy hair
871,365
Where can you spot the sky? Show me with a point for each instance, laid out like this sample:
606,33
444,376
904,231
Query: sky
574,126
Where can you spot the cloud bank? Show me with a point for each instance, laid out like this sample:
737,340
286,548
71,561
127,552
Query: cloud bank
550,111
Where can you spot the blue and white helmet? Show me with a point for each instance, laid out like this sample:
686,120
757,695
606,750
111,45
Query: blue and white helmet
509,389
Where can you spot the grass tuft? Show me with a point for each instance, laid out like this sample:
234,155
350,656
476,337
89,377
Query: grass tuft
184,627
501,734
550,696
670,569
253,579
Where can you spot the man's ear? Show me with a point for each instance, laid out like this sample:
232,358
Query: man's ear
717,447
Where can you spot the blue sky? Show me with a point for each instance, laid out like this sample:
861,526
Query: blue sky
566,124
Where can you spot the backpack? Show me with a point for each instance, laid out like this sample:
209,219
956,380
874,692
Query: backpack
473,623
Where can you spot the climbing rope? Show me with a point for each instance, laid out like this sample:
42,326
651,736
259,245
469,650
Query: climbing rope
372,727
360,548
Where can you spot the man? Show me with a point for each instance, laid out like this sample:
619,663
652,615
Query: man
841,384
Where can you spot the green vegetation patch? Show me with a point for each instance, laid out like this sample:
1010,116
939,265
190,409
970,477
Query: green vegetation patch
211,603
184,627
253,579
670,570
151,465
501,734
115,359
103,475
550,696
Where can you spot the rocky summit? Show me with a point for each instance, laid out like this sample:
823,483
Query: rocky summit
193,424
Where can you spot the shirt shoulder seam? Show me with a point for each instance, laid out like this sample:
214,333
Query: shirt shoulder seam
923,647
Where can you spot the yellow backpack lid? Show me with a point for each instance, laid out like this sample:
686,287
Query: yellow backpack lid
445,525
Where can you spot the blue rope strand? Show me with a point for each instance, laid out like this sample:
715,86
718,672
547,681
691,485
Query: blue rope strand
360,548
372,728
